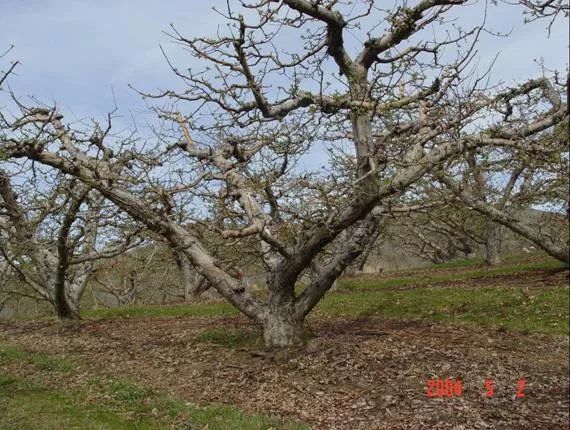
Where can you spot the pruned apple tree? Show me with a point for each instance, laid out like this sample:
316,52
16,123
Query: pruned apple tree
395,90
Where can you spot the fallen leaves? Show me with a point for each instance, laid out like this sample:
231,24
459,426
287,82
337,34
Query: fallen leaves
350,377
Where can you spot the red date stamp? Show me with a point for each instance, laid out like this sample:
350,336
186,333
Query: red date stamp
444,388
438,388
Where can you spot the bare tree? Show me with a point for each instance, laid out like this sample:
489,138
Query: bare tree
51,238
553,243
502,184
438,235
395,102
547,9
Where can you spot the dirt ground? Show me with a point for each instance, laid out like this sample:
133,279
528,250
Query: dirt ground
357,374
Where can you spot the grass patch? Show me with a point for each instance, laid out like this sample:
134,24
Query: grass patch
457,264
415,280
236,338
547,311
184,310
145,402
507,307
27,403
41,361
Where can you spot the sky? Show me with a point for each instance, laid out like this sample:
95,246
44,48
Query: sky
83,54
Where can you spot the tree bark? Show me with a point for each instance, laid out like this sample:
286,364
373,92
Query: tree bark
361,260
493,242
64,308
282,327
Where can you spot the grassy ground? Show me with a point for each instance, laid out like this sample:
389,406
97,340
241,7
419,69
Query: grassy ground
512,296
32,401
177,310
118,364
419,295
438,275
547,311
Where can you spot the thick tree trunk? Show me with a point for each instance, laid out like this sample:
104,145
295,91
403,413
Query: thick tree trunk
282,327
493,242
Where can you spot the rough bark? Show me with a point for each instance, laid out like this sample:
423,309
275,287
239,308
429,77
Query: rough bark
493,242
185,272
360,261
281,326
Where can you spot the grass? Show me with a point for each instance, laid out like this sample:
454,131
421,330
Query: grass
366,283
27,402
475,262
27,405
40,360
506,307
547,311
178,310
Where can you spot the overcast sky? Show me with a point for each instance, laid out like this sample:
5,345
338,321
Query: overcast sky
74,51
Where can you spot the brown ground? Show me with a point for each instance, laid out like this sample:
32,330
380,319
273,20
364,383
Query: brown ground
358,374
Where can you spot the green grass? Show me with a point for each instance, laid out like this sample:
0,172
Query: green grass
40,360
415,280
183,310
478,261
144,402
547,311
490,306
26,405
458,264
26,402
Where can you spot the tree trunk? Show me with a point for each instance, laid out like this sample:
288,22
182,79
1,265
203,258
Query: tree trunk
281,327
64,308
194,283
361,260
557,250
185,273
493,241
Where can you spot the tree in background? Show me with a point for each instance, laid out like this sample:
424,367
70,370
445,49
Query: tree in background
52,231
502,184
